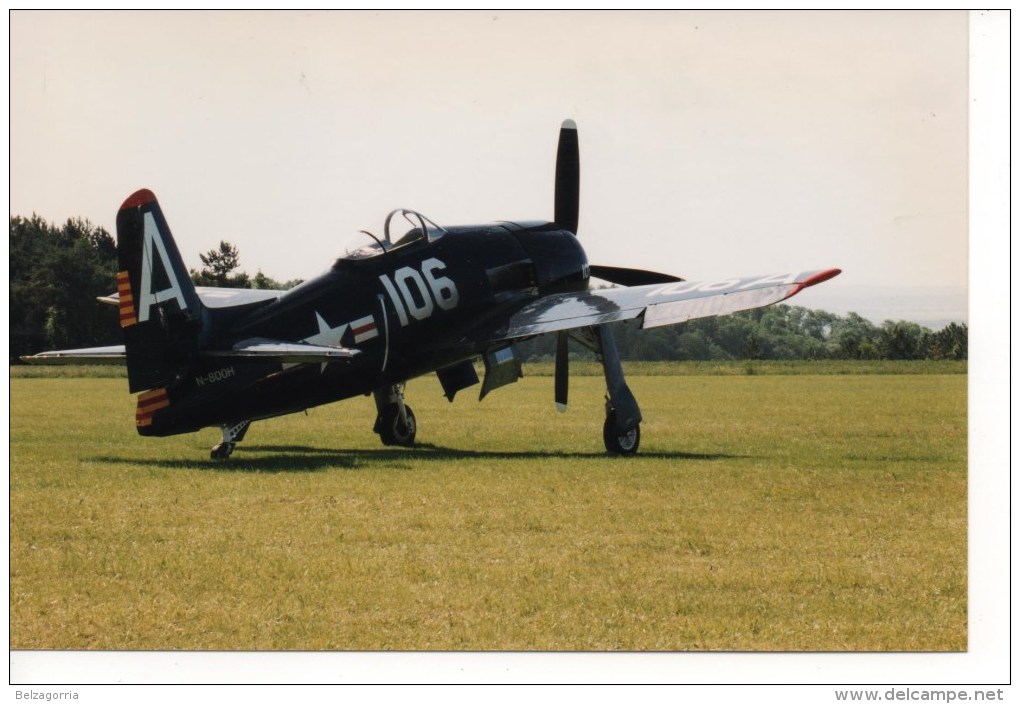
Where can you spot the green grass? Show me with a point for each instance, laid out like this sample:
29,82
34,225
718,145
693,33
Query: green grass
765,512
768,367
587,368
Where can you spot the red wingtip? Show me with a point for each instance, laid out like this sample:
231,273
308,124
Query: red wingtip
821,276
816,279
138,198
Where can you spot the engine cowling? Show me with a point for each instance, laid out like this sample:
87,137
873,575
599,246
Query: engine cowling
559,260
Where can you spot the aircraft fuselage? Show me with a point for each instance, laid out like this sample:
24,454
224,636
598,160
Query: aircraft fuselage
394,307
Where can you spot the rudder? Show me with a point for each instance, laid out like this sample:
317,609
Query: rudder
160,312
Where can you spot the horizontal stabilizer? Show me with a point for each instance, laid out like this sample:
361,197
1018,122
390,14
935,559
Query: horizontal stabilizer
216,297
88,355
254,350
263,350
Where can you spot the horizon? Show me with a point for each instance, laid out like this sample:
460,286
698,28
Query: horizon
932,307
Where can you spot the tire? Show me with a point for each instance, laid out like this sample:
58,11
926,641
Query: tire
222,451
392,431
626,444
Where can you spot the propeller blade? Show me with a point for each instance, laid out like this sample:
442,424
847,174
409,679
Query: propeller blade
631,277
568,178
562,380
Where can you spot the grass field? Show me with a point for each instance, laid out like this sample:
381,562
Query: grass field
766,511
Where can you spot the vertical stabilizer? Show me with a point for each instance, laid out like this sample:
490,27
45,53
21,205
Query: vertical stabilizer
160,311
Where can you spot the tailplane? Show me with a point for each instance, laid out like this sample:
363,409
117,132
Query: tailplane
160,312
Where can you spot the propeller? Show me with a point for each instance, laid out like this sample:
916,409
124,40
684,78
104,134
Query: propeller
631,277
566,211
568,178
562,377
567,208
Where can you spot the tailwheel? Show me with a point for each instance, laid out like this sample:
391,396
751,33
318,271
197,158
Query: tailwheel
394,430
616,444
231,435
221,451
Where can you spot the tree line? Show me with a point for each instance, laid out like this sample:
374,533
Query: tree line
775,333
58,272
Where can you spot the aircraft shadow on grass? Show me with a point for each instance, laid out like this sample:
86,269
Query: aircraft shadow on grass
302,458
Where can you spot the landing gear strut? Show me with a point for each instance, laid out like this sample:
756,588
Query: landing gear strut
621,432
232,434
395,421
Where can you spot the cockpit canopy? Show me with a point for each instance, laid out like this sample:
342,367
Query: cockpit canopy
402,228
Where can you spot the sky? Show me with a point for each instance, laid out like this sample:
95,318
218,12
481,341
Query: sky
713,144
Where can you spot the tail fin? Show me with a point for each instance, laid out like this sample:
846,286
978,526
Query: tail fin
160,311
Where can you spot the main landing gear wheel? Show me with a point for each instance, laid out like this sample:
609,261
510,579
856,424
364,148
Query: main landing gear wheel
221,451
626,444
394,432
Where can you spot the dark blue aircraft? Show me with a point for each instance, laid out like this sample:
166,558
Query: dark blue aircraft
414,299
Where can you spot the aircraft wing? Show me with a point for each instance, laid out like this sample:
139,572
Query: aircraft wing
88,355
215,297
658,304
